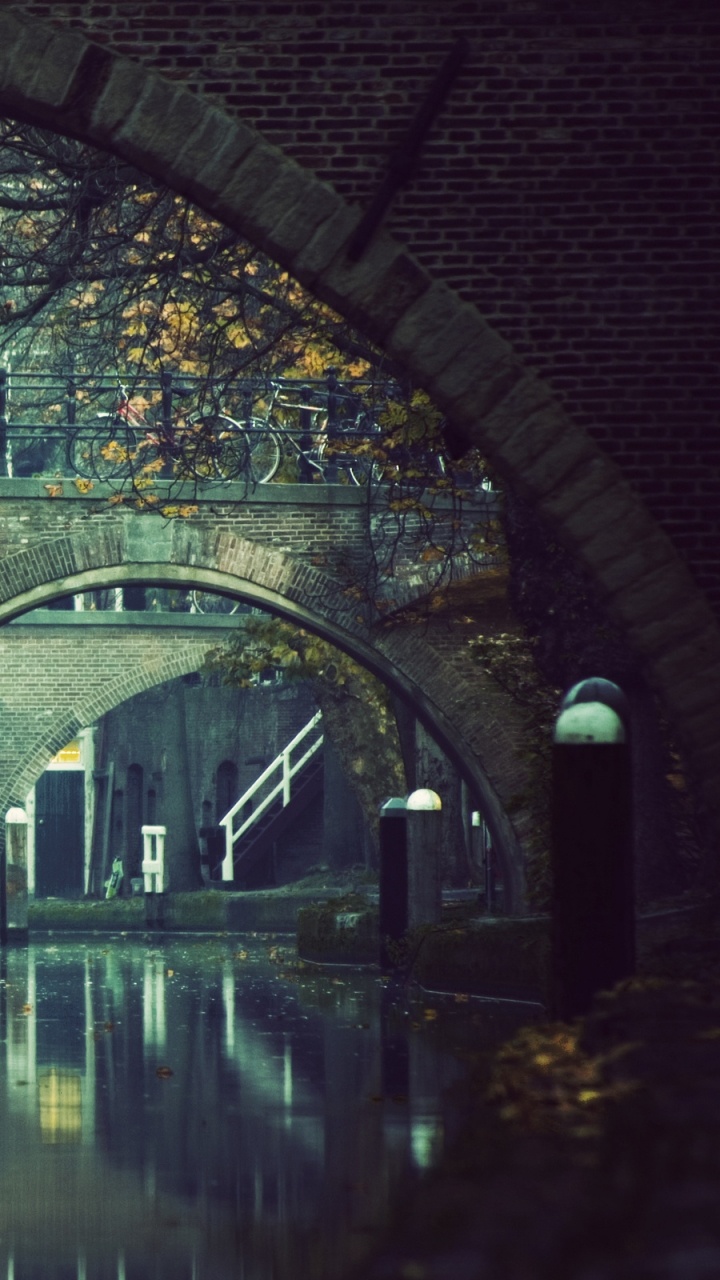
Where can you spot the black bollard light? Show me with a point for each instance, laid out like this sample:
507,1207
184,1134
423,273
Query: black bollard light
593,915
393,885
424,870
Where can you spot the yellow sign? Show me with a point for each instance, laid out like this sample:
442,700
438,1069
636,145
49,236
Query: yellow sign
70,754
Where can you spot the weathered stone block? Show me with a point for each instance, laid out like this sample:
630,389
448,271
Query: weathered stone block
21,48
691,620
294,211
212,154
588,481
484,367
524,410
432,331
246,186
664,591
126,87
45,69
685,665
163,119
605,511
638,561
376,290
329,240
563,455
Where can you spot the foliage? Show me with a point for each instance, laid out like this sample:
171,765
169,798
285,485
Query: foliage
104,269
543,1082
509,658
356,707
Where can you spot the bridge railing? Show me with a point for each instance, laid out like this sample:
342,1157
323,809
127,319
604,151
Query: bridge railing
103,428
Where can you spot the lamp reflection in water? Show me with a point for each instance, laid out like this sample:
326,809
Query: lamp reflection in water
60,1105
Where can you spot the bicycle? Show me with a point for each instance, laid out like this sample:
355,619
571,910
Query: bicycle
333,435
197,447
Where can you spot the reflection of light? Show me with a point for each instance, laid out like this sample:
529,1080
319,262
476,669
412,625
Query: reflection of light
228,989
154,1027
287,1075
425,1136
60,1103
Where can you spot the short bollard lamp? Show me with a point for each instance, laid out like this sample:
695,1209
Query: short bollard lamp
424,819
393,880
593,919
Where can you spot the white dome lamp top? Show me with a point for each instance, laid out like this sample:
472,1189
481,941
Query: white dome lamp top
593,711
424,800
16,815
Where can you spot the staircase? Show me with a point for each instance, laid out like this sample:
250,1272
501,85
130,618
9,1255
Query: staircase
278,796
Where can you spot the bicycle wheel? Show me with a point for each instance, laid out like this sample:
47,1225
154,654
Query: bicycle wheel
107,455
208,602
264,448
365,471
216,448
78,455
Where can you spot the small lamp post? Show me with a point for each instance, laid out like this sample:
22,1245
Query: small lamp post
593,918
424,816
393,912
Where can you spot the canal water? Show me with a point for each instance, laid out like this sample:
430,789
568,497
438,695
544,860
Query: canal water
206,1109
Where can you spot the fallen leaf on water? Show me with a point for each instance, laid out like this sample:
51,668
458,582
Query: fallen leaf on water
27,1008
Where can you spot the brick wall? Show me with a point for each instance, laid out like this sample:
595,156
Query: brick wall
569,188
55,683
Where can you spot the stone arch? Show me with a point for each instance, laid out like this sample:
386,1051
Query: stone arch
100,697
472,719
59,80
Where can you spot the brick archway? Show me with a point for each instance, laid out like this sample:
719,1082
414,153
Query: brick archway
59,80
473,720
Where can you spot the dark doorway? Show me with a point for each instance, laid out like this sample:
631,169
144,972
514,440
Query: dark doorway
226,788
60,834
134,811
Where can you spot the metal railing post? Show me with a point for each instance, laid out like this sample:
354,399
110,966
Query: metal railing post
4,376
331,470
305,415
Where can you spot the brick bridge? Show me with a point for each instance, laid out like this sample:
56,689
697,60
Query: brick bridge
286,548
568,190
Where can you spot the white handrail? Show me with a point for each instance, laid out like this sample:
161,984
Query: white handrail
283,787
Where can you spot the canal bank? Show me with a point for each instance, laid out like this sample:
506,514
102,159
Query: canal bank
467,953
588,1150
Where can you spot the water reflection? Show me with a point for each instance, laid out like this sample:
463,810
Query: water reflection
195,1109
